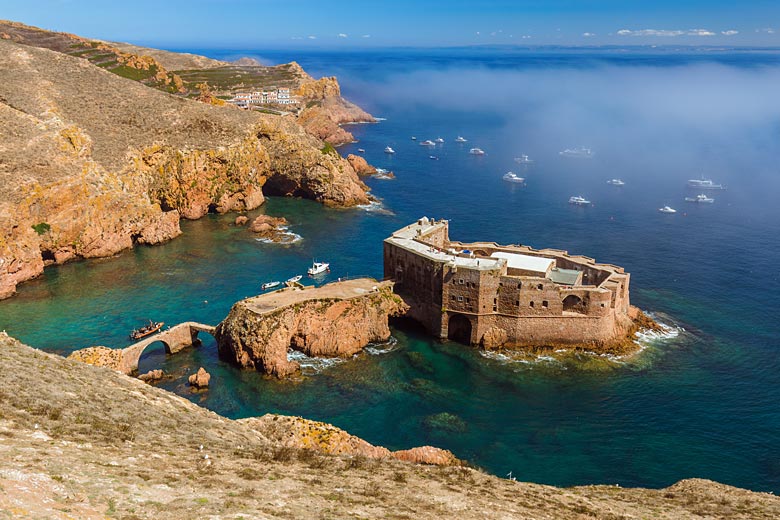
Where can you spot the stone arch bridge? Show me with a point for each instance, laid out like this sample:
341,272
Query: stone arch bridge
175,338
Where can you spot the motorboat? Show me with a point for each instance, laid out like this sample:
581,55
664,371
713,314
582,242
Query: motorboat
414,138
577,153
704,184
361,150
427,142
270,285
439,140
667,209
616,182
477,151
701,198
389,150
513,177
146,330
523,159
433,158
460,139
294,279
318,268
579,201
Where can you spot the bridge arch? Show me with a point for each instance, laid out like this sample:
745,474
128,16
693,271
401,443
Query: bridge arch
459,329
174,339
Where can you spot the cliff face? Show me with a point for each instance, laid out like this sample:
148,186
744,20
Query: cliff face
325,110
92,163
77,441
325,322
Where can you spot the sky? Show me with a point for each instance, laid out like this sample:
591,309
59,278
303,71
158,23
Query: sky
425,23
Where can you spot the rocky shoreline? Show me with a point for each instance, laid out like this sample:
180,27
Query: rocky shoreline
94,163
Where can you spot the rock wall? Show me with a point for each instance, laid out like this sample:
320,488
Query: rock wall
325,109
329,327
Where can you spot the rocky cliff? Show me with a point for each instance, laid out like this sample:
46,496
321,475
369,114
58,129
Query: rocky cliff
336,320
325,110
77,441
92,163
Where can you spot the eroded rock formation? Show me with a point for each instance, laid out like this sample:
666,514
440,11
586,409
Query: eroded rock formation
360,165
336,320
325,110
199,379
297,432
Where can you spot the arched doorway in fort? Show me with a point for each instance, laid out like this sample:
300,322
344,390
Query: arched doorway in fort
573,303
459,329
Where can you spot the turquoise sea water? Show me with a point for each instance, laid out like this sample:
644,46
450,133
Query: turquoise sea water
701,404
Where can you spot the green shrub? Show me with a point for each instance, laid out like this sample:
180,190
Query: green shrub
41,228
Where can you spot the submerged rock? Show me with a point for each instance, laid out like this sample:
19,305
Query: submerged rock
151,376
446,422
241,220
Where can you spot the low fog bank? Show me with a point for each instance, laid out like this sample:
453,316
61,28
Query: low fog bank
665,123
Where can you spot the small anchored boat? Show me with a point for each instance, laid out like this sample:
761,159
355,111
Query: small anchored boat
702,198
294,279
523,159
577,153
389,150
146,330
439,140
361,150
270,285
704,184
460,139
427,142
512,177
318,268
667,209
616,182
477,151
579,201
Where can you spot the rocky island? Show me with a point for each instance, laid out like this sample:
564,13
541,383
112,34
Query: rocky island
335,320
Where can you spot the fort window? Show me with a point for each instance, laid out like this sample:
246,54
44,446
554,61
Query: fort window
495,301
460,281
540,286
573,303
531,304
545,304
519,285
517,302
495,308
460,298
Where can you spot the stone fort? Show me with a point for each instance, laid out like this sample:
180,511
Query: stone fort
505,295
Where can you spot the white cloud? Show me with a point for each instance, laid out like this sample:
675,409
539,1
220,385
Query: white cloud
342,35
297,38
588,34
366,36
665,32
730,32
525,36
312,37
767,30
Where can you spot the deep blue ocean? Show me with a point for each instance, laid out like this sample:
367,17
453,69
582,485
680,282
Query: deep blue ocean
703,403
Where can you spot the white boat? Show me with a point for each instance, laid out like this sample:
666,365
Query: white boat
577,153
414,138
523,159
427,142
704,184
439,140
667,209
460,139
270,285
477,151
579,201
512,177
389,150
295,279
318,267
701,198
433,157
361,150
616,182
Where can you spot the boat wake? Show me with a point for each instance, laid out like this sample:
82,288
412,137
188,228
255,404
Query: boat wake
383,175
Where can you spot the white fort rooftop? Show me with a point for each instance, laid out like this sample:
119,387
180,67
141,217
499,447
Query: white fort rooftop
536,265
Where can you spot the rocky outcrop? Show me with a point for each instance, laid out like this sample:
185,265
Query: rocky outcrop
360,165
325,110
90,179
152,376
200,379
494,337
271,229
99,356
335,320
297,432
241,220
